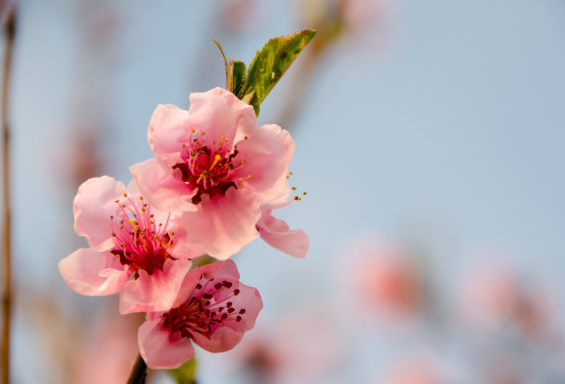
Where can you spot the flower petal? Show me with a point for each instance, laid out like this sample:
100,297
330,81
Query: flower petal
155,292
222,226
230,331
93,273
161,188
220,113
267,154
168,127
160,349
223,339
277,234
93,206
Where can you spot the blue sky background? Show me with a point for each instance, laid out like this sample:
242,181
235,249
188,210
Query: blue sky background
443,127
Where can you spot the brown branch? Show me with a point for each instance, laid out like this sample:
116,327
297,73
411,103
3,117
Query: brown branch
10,31
138,372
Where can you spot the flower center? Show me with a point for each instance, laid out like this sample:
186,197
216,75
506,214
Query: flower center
207,309
208,168
139,241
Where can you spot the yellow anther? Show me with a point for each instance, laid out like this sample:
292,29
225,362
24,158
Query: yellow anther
249,176
216,159
240,179
304,193
125,195
133,224
293,188
290,173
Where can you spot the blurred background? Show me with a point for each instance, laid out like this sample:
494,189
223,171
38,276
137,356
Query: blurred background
429,140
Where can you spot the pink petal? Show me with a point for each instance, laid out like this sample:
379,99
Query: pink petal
156,292
277,234
93,273
230,331
267,154
220,113
223,225
160,349
161,188
223,339
93,206
219,270
167,129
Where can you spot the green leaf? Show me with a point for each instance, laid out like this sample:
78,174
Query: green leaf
238,77
248,98
229,80
271,63
186,373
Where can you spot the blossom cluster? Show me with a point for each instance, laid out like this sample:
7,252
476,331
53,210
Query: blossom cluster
210,189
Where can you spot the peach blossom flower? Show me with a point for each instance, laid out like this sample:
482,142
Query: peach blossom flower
135,249
107,352
215,165
384,279
212,308
495,297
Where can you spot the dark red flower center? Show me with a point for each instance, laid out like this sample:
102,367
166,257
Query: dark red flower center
208,169
210,306
139,241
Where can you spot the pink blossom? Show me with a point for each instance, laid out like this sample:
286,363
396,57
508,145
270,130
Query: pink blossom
212,308
415,372
215,165
107,351
299,347
135,249
496,296
385,279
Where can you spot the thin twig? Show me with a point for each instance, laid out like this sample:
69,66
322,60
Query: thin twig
10,31
138,372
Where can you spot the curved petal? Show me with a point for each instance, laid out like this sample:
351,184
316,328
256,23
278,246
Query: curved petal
230,332
160,349
223,225
250,299
267,154
223,339
93,205
277,234
93,273
220,113
168,128
156,292
161,188
182,248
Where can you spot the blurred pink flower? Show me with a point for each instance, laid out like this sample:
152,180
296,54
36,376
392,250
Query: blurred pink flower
297,348
212,308
108,351
415,372
495,297
384,279
135,249
215,165
244,15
